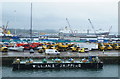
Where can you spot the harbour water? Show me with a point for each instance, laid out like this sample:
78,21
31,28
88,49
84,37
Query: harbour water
109,70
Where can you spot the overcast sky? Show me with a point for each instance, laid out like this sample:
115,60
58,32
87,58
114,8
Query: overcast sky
52,15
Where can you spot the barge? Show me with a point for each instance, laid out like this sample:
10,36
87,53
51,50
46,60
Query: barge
90,63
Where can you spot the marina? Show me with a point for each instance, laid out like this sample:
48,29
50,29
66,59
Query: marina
53,45
106,49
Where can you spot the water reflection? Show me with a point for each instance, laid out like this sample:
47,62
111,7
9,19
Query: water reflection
107,71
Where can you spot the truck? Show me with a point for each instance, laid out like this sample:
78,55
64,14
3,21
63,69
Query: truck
52,51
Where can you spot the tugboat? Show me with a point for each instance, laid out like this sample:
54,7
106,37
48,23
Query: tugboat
91,62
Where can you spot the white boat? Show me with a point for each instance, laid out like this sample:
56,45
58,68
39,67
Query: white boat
16,48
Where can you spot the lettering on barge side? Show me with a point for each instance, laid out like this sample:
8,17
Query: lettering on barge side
61,65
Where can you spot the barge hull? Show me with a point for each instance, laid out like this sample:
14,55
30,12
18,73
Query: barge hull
58,66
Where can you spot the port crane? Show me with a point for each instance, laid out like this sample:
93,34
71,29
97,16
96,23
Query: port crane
70,27
92,26
110,29
5,28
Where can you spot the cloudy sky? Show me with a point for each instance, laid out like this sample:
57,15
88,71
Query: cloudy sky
52,15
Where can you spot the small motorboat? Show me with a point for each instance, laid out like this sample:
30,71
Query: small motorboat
4,50
15,48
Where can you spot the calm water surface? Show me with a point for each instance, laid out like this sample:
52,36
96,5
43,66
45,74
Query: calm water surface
107,71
